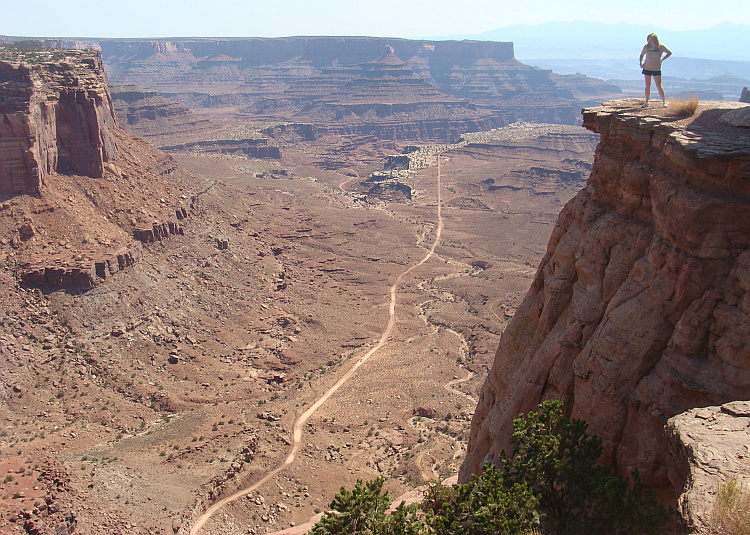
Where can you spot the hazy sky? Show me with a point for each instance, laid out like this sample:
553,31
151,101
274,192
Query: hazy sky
396,18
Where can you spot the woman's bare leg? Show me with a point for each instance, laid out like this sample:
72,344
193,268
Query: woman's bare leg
648,87
657,80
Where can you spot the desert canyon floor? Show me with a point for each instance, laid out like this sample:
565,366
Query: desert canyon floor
404,413
281,284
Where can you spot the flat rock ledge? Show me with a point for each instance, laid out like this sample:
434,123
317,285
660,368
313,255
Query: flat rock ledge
710,446
84,271
718,130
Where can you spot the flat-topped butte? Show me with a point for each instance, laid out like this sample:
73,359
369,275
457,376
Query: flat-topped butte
42,55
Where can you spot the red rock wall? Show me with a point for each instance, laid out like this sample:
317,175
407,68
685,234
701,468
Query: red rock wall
83,275
18,164
640,308
55,116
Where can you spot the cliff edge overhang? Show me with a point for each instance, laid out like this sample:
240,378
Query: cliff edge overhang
640,308
710,151
709,447
56,116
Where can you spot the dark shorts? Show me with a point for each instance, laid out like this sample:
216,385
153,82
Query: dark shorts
652,73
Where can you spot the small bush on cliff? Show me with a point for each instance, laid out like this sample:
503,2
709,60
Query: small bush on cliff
731,513
684,107
364,511
557,459
30,54
485,506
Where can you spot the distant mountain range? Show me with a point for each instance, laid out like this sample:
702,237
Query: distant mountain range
591,40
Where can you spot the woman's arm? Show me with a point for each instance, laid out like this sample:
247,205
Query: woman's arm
643,53
668,52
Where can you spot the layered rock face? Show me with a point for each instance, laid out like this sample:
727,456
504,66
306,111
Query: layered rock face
146,113
79,196
416,90
141,58
56,117
640,308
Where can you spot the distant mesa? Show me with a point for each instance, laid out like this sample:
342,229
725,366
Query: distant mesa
389,58
249,148
148,114
394,89
81,196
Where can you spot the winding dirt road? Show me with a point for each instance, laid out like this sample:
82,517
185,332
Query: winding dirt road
299,424
449,387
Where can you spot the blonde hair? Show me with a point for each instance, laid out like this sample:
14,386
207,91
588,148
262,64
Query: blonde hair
655,38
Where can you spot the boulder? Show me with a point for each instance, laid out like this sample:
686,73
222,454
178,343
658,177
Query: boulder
26,231
739,117
710,447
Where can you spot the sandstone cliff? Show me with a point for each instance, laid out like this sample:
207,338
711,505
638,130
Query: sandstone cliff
78,194
56,117
641,306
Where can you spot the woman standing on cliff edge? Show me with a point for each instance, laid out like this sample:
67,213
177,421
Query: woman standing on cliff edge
653,51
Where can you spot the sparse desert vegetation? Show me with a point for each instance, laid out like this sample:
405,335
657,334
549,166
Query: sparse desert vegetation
684,107
167,325
31,54
731,512
231,343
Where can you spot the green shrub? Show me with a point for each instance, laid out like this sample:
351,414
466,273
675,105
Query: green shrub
552,484
364,511
557,459
485,506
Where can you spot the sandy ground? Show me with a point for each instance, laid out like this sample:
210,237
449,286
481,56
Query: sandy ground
177,382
